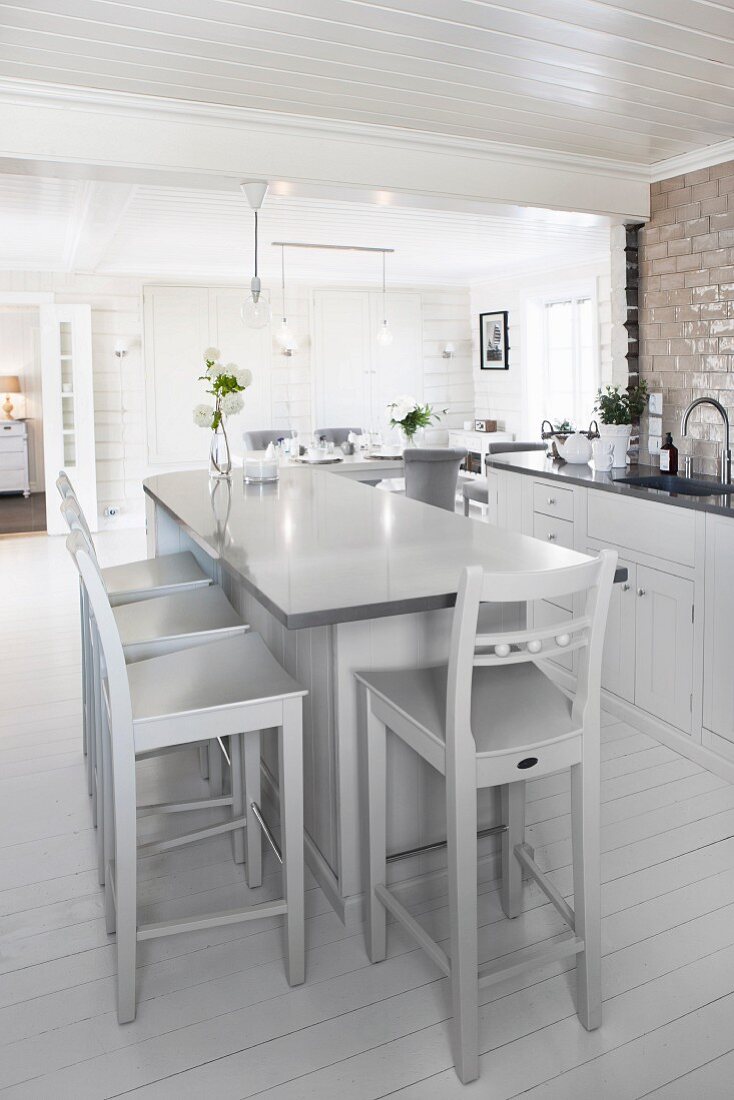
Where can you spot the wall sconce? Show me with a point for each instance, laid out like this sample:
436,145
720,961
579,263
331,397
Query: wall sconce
288,345
120,350
449,351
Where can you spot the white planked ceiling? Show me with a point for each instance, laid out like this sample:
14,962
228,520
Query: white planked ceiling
637,81
78,225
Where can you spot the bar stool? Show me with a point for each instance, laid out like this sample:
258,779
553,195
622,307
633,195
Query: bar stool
432,474
492,718
233,688
148,628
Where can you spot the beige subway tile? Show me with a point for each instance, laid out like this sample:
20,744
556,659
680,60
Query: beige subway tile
726,184
674,183
688,263
670,232
722,221
712,310
714,206
702,191
689,212
699,176
726,168
696,226
681,247
666,265
674,281
697,278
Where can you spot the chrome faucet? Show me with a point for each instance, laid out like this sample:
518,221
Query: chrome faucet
726,453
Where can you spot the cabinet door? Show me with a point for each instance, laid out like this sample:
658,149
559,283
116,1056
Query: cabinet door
718,681
68,408
664,658
341,359
618,661
398,368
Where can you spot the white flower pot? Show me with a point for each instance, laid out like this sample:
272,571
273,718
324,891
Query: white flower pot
619,436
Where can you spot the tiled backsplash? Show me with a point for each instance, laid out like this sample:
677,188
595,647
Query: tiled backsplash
687,304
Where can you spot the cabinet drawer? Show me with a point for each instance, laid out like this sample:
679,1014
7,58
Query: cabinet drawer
11,430
550,529
10,447
12,479
661,530
551,501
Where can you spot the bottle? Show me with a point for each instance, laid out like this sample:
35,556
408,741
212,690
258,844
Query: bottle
669,456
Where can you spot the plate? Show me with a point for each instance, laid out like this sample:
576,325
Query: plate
380,454
320,461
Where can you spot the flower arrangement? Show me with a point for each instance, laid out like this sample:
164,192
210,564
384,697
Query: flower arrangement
409,415
226,385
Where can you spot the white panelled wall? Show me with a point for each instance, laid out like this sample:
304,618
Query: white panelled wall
505,395
121,420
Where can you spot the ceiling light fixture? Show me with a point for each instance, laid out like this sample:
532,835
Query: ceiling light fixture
256,306
384,333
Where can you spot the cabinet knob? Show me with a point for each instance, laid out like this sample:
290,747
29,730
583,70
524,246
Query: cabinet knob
551,537
641,592
625,587
551,500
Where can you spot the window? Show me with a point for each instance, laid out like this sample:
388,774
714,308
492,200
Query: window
570,361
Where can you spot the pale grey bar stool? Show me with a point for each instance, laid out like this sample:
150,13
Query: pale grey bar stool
337,436
150,628
477,490
260,440
233,688
491,717
432,474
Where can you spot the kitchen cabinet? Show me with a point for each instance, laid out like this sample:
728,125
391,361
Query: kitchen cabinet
618,661
664,646
718,686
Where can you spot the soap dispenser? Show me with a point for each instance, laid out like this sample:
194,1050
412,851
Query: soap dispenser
669,456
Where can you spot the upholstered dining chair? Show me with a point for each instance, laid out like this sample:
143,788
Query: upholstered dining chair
432,474
260,440
337,436
477,490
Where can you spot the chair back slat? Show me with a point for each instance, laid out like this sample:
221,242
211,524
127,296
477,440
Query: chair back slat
76,521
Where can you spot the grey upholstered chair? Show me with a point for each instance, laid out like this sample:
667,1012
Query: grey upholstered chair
477,490
258,441
337,436
432,474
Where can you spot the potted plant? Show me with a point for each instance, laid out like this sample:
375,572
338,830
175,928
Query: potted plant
409,415
226,384
617,409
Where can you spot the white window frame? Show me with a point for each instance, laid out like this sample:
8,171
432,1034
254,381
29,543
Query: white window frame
573,294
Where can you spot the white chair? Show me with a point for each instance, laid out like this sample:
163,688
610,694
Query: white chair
233,688
492,718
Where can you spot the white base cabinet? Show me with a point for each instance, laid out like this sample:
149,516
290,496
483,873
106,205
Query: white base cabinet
718,693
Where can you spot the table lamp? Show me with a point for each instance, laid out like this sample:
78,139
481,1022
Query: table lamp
9,383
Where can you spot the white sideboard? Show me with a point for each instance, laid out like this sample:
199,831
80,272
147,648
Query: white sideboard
477,443
14,457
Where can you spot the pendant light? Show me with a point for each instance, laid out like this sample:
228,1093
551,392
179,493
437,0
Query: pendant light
285,337
384,333
255,310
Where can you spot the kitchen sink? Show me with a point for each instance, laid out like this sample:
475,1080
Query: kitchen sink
671,483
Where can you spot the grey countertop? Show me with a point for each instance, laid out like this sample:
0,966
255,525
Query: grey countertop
536,463
317,549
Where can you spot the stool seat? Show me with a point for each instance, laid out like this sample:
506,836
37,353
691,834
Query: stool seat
138,580
188,617
237,671
508,705
477,491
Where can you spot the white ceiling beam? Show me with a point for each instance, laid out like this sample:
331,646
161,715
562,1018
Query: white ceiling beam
125,138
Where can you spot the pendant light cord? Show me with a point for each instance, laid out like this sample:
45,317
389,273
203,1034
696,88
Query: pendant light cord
255,212
282,279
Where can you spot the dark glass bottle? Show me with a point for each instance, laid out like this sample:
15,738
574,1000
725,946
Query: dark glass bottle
669,456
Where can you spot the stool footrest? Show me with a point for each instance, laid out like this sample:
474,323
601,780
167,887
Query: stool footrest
524,856
156,846
212,920
267,831
532,957
418,933
153,808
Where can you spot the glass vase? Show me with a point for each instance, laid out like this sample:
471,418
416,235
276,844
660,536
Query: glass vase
220,458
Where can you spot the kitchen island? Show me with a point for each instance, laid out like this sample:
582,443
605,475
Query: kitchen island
337,576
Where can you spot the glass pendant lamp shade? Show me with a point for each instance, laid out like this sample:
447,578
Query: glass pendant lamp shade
384,334
256,311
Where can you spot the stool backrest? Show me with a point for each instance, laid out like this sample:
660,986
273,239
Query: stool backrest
432,474
337,436
513,448
71,510
259,440
591,581
115,673
64,486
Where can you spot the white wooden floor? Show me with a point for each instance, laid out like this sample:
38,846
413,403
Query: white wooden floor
216,1017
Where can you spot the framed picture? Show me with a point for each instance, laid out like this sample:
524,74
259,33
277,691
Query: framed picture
493,343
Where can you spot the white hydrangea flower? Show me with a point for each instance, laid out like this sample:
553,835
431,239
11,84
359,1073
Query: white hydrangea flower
203,415
232,403
214,370
211,353
244,377
401,406
230,368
